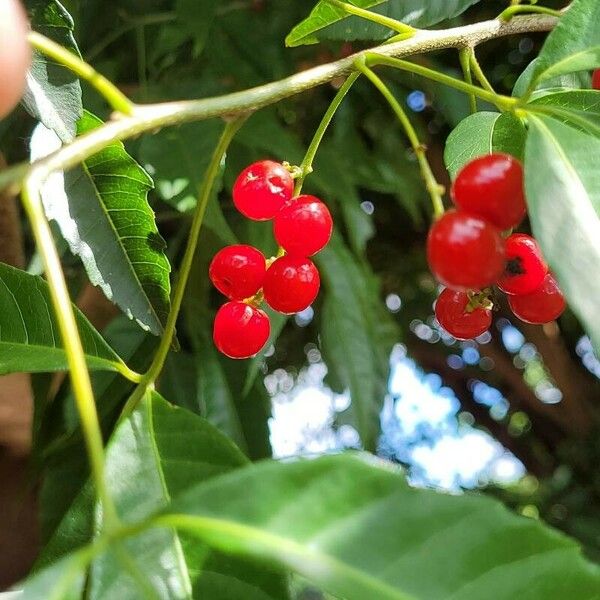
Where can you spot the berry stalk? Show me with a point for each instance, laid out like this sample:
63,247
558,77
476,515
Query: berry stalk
309,157
184,270
504,103
433,187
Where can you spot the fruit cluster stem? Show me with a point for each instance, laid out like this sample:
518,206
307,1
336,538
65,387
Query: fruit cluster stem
210,176
434,189
465,63
309,157
504,103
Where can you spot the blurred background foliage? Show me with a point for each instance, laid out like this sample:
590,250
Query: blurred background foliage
532,391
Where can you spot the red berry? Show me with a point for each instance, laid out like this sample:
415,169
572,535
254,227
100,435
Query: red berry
292,284
238,271
541,306
261,190
240,330
492,187
464,251
303,226
525,266
455,316
596,79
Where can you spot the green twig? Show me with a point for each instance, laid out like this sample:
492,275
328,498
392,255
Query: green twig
433,187
392,24
309,157
154,116
80,379
465,63
502,102
478,72
117,100
184,270
507,14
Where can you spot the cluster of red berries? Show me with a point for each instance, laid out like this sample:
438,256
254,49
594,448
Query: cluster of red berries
288,283
596,79
468,254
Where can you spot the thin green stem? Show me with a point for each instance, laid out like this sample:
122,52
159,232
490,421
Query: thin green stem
392,24
186,264
401,37
309,157
80,379
507,14
502,102
478,72
129,373
117,100
433,187
465,63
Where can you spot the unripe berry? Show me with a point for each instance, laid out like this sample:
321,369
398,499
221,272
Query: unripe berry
543,305
238,271
525,266
261,190
454,314
491,187
291,285
464,251
240,330
303,226
15,54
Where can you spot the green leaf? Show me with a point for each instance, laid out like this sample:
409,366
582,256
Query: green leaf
355,528
578,108
215,396
64,580
103,213
562,183
483,133
356,353
166,450
322,23
53,92
178,159
573,45
29,335
577,80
